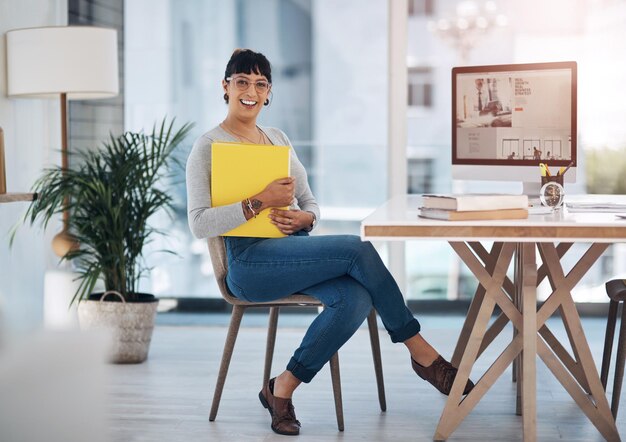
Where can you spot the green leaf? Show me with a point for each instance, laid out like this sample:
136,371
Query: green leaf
112,192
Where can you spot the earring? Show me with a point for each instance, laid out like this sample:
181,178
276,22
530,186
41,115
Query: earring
267,102
226,98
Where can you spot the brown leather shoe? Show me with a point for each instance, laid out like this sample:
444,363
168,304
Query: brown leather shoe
283,414
441,374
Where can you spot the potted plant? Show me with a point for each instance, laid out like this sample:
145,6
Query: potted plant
111,193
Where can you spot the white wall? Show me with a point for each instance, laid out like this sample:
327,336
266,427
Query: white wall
32,141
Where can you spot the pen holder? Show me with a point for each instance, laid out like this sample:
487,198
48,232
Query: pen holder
552,178
552,191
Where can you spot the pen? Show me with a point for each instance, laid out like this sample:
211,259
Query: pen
544,168
566,169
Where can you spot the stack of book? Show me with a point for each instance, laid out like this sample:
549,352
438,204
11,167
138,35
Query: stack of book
476,206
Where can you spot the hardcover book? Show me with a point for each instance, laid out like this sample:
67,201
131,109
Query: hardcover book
471,215
475,201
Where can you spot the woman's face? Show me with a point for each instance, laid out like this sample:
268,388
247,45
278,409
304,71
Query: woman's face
246,94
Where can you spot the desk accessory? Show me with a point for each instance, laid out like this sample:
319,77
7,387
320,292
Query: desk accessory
552,194
552,191
552,179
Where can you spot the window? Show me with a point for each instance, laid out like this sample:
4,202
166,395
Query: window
421,7
420,171
553,149
420,87
531,147
510,148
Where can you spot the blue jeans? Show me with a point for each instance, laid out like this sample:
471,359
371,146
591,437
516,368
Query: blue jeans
343,272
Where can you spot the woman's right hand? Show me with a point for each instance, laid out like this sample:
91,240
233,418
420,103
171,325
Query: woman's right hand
278,193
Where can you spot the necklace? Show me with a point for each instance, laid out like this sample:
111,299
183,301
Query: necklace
243,137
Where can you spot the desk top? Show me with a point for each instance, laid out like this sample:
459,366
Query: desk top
397,220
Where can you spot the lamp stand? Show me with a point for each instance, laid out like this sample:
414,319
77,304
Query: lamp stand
64,242
3,176
64,159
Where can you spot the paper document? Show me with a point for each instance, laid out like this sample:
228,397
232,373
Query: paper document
595,207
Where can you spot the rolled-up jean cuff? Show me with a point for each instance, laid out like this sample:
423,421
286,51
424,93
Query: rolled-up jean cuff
406,332
301,372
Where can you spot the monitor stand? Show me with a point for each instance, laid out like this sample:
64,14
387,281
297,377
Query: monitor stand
532,188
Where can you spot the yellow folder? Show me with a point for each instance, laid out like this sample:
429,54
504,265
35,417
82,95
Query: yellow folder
239,171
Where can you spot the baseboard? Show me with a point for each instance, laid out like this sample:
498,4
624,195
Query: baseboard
430,307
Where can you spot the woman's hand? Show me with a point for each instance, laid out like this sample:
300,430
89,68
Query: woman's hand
278,193
291,221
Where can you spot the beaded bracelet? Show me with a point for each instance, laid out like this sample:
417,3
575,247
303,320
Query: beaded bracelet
249,205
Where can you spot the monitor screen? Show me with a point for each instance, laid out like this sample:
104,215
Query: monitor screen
515,116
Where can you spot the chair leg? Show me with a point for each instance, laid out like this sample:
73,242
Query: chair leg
271,341
229,345
619,364
336,380
608,342
378,364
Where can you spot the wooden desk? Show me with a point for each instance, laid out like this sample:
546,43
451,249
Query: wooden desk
516,241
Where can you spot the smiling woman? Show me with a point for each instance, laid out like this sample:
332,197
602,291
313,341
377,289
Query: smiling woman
344,273
327,100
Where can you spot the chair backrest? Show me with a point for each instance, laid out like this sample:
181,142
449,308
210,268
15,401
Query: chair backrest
217,250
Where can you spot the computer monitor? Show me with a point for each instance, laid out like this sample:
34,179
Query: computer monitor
506,119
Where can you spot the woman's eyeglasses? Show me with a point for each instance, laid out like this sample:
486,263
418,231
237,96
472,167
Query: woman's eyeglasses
242,83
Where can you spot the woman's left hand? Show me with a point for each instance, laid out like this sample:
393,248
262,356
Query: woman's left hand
291,221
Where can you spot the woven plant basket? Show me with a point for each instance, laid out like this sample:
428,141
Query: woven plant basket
130,323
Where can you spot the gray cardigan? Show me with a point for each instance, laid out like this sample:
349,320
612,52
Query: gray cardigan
206,221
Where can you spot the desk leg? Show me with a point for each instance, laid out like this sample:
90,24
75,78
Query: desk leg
529,332
453,414
517,300
456,407
561,288
542,273
596,406
490,260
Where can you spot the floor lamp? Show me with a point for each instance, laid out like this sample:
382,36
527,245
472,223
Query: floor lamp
66,62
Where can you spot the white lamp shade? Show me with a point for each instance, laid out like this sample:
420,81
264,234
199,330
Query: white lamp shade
80,61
